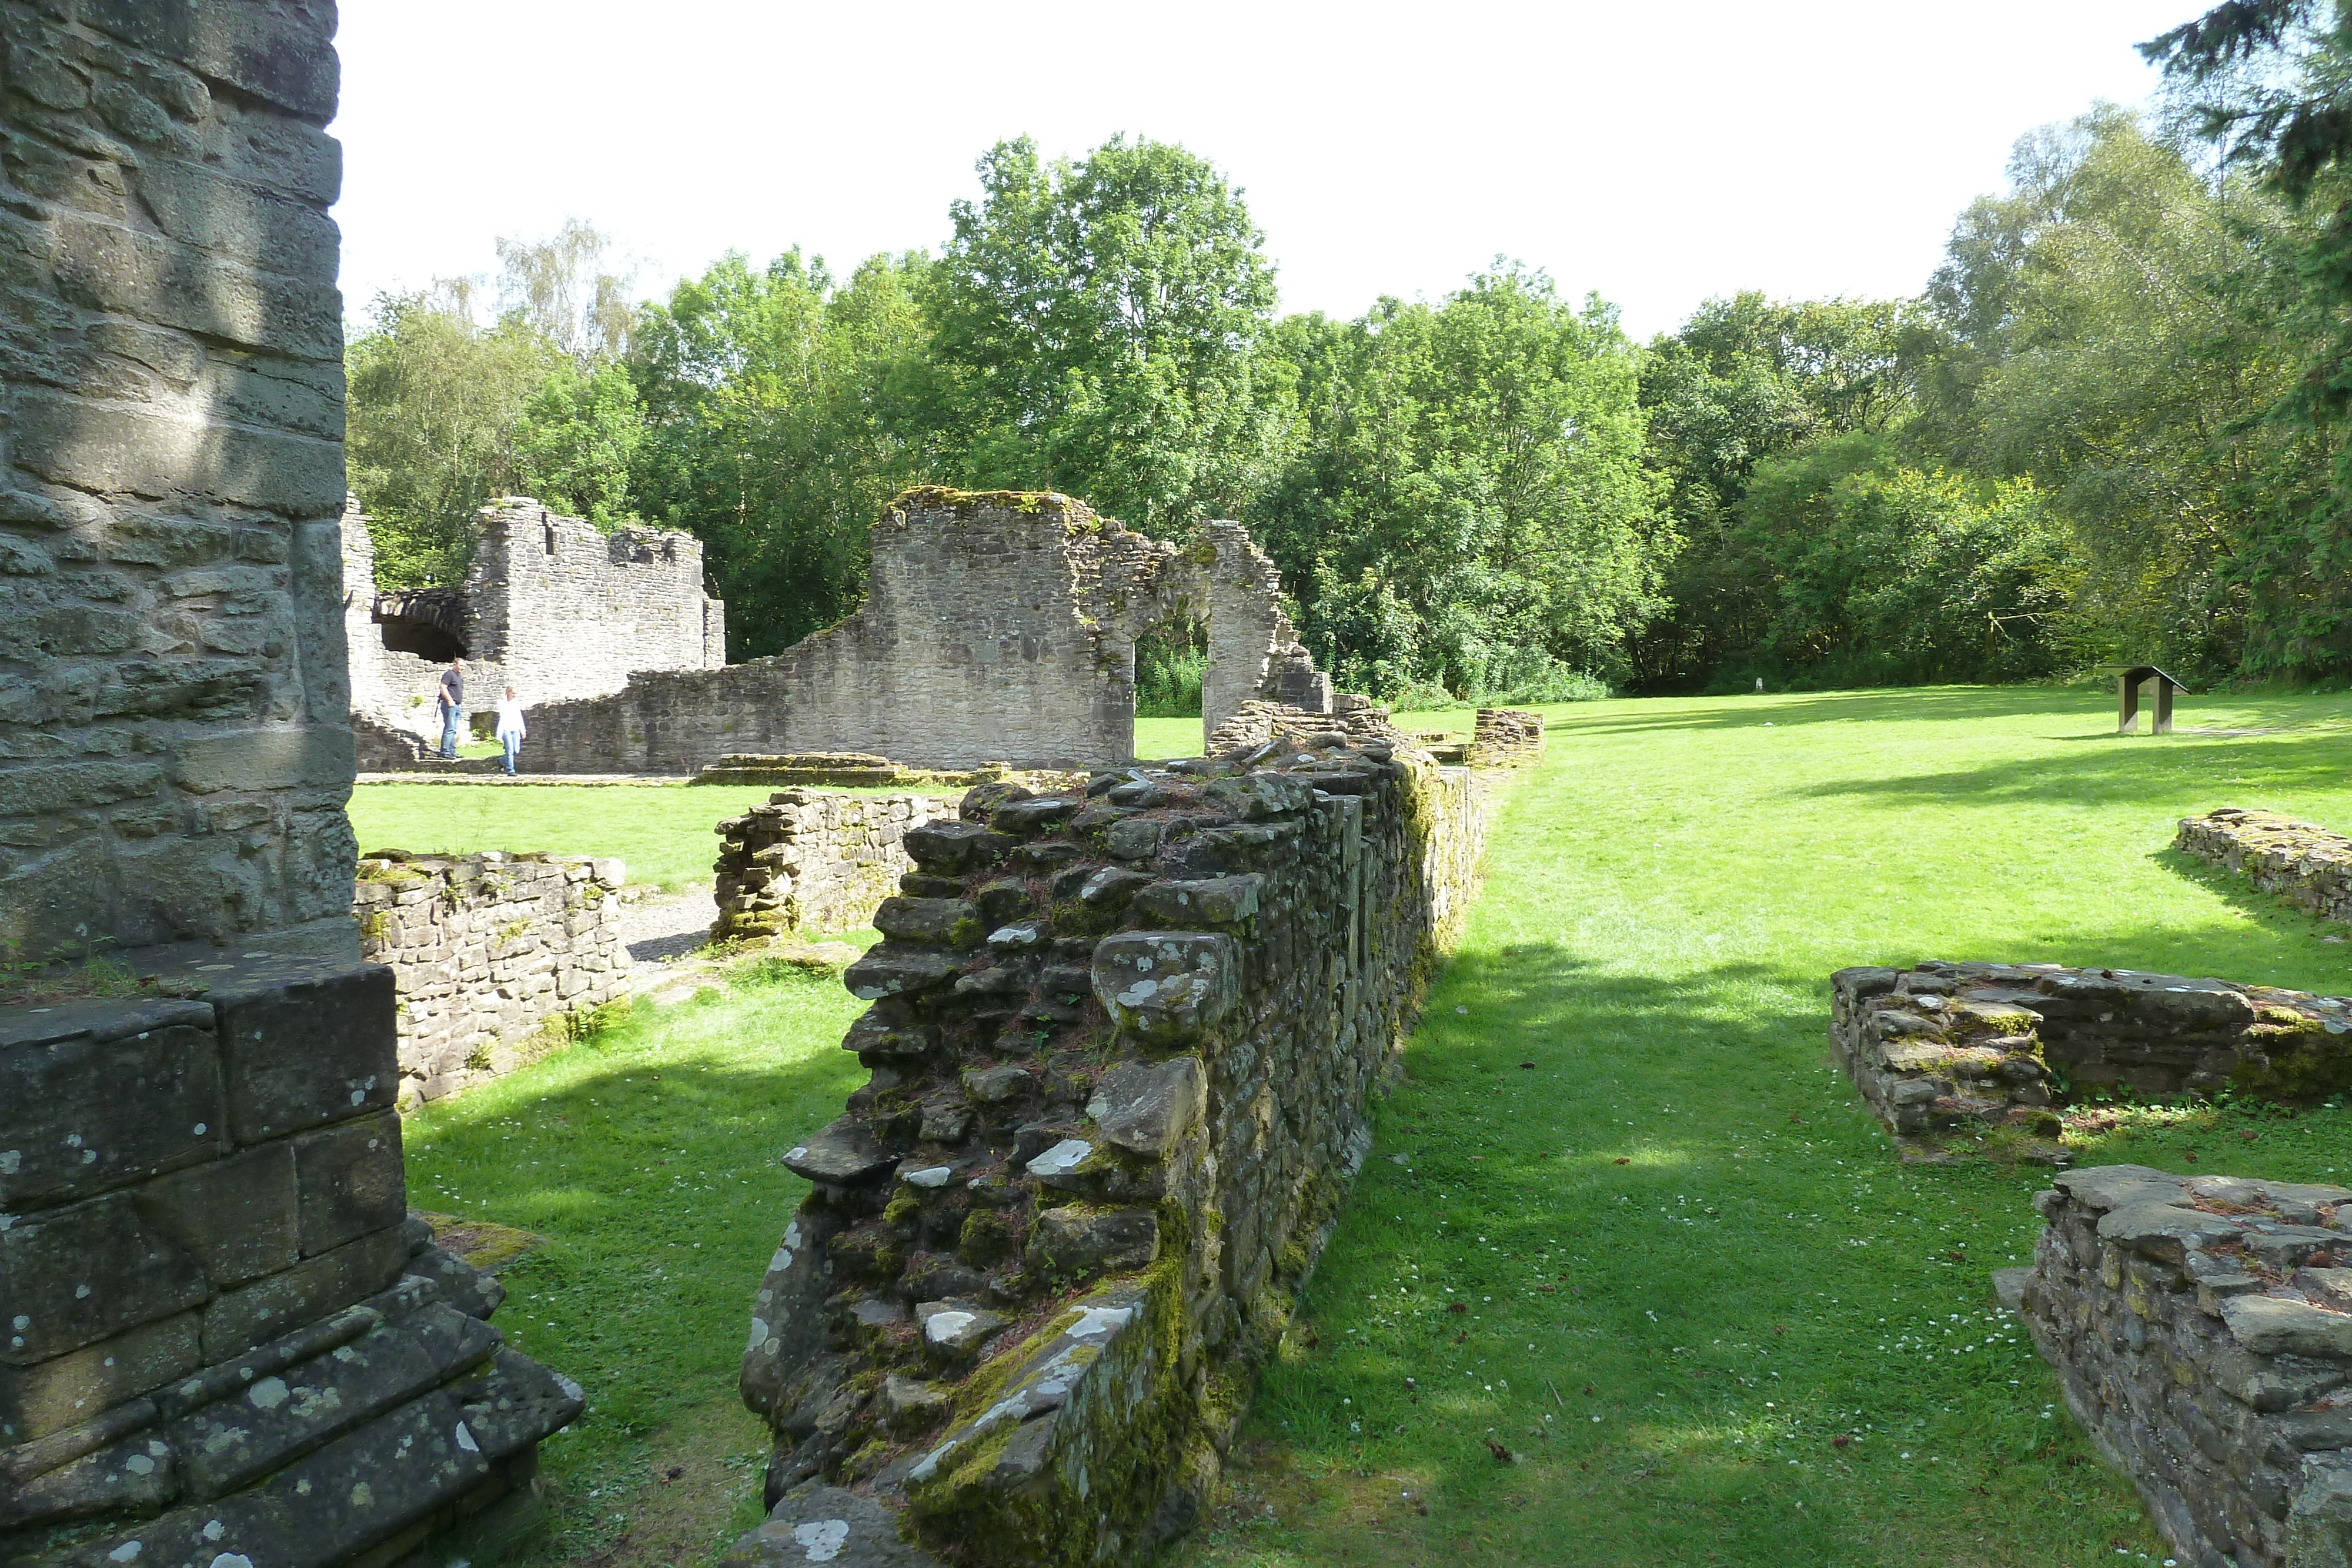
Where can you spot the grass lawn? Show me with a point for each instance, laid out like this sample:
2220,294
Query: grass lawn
662,832
1739,1274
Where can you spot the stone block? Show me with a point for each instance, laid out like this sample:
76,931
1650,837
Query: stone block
116,1091
352,1181
280,1417
1168,986
235,1217
1075,1242
515,1402
1147,1109
70,1277
67,1390
277,757
319,1048
1211,900
138,1473
245,1317
114,448
816,1523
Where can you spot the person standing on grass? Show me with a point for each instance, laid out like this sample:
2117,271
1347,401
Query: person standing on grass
510,729
452,707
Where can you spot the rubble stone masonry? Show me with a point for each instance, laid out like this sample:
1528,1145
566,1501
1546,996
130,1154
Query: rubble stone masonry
2301,861
2201,1328
491,953
1122,1042
808,862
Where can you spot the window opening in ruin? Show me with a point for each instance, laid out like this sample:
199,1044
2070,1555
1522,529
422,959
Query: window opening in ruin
550,528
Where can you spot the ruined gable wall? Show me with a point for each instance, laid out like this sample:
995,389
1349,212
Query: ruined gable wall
566,610
175,753
994,629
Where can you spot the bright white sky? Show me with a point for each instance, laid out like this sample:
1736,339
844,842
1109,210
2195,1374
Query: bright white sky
1657,153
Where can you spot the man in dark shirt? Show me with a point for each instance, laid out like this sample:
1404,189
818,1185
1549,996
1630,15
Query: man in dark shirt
452,707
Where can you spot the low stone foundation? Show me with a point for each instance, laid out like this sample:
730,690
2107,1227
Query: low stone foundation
807,861
1945,1052
490,952
1122,1043
863,770
2302,862
226,1339
1351,717
1507,737
2201,1328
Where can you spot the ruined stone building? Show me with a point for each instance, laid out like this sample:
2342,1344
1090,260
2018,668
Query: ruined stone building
551,605
220,1321
997,627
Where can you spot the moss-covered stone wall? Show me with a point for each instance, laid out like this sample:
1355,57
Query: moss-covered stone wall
1122,1040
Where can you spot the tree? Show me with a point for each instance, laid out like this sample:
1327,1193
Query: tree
434,405
575,441
1469,507
782,410
1094,329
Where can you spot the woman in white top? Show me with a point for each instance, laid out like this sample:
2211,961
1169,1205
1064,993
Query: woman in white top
510,729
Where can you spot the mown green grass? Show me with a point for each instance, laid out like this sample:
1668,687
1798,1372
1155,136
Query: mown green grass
1666,898
1621,1091
646,1157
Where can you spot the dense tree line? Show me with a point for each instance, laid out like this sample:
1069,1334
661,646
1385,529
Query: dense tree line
2111,425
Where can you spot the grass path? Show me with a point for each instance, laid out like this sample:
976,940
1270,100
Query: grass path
1709,1314
1672,1346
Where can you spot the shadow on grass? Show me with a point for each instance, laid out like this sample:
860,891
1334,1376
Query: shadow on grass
2121,774
1934,705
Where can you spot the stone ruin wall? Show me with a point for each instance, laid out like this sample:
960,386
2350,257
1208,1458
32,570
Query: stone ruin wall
2301,861
2201,1330
1946,1052
493,956
221,1315
215,1319
996,628
174,755
1507,737
1122,1042
810,862
550,604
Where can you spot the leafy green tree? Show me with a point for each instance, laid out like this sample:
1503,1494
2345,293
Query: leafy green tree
1094,329
781,408
435,405
2116,327
1469,506
576,440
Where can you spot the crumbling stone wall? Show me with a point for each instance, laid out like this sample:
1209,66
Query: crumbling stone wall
2201,1328
1946,1050
489,954
219,1316
996,628
174,752
810,862
2301,861
1507,737
1257,723
1122,1040
551,605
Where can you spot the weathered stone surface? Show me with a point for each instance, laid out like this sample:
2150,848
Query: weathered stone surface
943,922
1946,1052
79,1114
293,1062
235,1217
352,1182
815,1523
954,1331
82,1386
1167,987
846,1153
888,969
73,1276
240,1319
1077,1242
1148,1109
138,1473
1214,900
